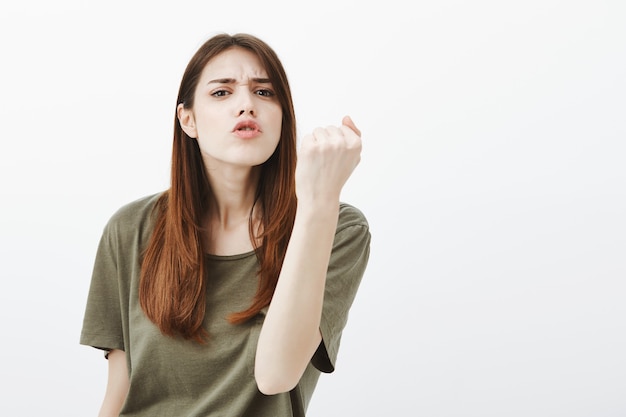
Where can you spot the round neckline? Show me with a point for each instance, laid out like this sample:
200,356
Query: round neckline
229,257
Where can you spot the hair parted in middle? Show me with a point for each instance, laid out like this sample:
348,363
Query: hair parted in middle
172,289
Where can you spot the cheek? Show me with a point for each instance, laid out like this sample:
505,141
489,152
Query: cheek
277,132
210,124
278,121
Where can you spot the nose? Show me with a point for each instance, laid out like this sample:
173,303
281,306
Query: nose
246,105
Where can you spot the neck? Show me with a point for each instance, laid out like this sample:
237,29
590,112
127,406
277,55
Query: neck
233,193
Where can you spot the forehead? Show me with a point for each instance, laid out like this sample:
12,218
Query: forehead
236,63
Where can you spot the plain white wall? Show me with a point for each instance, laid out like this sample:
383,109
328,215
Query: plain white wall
493,178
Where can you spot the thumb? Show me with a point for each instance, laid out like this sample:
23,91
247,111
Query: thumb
347,121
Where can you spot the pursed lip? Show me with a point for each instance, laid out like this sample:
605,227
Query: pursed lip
247,125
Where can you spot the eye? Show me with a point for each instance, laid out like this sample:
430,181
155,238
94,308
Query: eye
219,93
264,92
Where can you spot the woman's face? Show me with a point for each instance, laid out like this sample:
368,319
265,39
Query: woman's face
236,118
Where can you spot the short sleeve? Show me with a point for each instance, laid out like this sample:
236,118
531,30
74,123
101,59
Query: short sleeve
348,261
102,322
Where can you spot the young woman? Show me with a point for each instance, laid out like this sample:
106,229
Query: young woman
226,295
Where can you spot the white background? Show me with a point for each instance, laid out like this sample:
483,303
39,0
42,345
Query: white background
493,178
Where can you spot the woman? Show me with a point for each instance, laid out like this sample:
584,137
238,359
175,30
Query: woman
227,294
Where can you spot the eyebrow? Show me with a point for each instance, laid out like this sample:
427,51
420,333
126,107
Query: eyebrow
233,81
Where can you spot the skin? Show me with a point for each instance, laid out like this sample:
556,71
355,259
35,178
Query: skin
326,159
117,385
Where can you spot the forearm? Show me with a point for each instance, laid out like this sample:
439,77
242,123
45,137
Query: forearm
290,333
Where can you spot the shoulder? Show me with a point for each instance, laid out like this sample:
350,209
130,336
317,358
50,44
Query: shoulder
135,215
350,216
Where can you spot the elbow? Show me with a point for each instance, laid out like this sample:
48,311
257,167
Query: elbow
273,387
272,384
278,370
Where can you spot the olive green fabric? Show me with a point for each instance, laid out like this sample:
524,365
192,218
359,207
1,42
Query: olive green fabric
178,378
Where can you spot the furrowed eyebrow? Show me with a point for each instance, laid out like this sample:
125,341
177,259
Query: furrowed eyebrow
233,81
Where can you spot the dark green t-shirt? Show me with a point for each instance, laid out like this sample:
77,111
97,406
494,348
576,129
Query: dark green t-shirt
174,377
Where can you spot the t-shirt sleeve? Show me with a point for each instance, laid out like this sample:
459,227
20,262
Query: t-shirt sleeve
348,260
102,322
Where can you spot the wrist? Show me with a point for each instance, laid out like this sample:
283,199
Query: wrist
318,210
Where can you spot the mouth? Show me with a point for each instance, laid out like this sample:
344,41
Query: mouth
247,129
247,126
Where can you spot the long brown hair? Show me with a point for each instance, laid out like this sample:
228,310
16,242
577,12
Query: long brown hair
172,286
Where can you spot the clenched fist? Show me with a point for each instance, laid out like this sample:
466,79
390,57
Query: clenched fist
326,159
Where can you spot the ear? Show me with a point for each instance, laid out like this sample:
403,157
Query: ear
187,121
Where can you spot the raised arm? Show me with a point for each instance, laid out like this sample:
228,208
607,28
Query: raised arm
290,334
